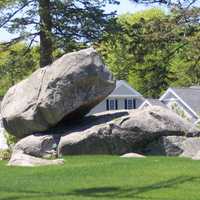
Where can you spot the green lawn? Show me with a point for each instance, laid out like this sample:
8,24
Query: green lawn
104,177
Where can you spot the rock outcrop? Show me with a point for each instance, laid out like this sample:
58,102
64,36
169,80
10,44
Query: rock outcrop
24,160
37,145
175,146
128,133
113,132
166,146
49,109
64,91
34,150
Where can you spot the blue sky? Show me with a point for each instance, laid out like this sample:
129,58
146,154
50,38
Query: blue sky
124,7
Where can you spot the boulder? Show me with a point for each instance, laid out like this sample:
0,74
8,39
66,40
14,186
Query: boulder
191,147
63,91
24,160
37,145
174,146
131,131
166,145
197,156
132,155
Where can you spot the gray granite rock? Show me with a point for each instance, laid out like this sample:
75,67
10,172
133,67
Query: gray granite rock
175,146
166,145
129,132
64,91
37,145
24,160
191,147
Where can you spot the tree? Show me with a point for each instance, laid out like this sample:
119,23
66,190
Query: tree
179,3
186,63
13,68
147,49
58,23
133,55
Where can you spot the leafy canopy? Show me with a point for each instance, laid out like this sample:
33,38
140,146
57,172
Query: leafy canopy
152,49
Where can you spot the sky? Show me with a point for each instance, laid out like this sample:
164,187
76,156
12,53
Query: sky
124,7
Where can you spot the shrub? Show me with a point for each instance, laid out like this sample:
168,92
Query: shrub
10,139
5,154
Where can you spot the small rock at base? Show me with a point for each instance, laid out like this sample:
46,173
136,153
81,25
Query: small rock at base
132,155
24,160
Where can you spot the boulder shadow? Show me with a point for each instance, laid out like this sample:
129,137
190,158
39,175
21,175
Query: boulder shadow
69,126
133,192
102,192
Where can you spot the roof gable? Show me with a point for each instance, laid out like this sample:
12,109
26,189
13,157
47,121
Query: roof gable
123,88
156,102
152,102
190,97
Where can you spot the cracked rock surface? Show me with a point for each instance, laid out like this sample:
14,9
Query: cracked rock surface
66,90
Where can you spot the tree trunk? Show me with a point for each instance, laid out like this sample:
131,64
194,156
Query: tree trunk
46,47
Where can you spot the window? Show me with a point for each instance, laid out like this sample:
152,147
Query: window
129,103
111,104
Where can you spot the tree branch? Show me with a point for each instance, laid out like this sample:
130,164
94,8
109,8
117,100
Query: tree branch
29,46
5,45
14,13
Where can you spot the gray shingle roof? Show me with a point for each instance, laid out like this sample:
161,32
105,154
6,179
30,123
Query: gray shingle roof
191,96
123,88
156,102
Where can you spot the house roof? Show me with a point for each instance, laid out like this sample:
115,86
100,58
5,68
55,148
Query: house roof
124,89
156,102
191,96
152,102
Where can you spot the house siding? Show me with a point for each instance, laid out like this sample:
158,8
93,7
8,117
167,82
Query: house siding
102,107
122,92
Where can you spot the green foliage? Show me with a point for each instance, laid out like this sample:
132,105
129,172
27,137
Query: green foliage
181,4
155,50
16,64
4,3
11,140
5,154
133,55
104,178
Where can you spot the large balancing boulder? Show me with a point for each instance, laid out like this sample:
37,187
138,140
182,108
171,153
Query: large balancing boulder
65,90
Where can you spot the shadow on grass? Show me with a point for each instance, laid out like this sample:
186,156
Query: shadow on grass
100,192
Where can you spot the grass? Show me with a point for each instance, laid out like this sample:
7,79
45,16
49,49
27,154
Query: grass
104,177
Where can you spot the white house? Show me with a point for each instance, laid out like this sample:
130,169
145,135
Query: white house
184,101
122,97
